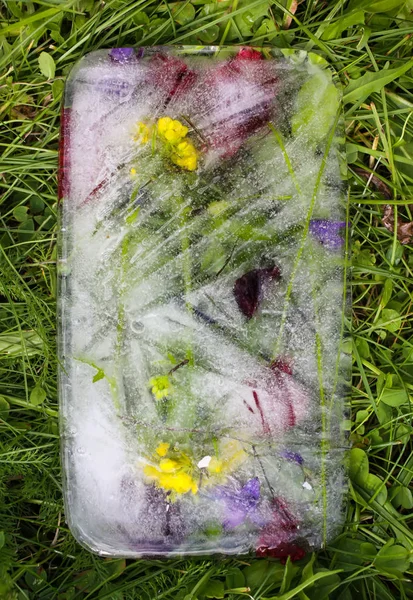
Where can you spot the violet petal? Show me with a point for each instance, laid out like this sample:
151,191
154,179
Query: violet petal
122,55
327,232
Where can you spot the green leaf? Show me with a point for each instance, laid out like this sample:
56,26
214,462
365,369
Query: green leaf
387,292
36,205
99,375
372,484
392,556
26,230
394,396
2,539
235,579
390,320
359,466
57,89
401,496
214,589
380,6
4,408
373,81
363,347
316,107
20,213
209,35
308,583
141,18
183,14
47,65
334,30
37,395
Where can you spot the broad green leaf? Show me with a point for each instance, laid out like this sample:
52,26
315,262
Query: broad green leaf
316,107
47,65
401,496
372,484
359,465
20,213
394,396
263,571
390,320
334,30
403,433
235,579
182,13
26,230
209,35
392,556
36,205
363,347
141,18
373,81
57,89
214,589
37,395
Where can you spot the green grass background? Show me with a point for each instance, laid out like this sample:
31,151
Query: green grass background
369,43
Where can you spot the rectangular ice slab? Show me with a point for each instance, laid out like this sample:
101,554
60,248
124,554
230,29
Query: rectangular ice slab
202,301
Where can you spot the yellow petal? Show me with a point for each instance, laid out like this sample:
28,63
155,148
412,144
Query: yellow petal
162,449
167,465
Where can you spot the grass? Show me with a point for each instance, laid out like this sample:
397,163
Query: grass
371,50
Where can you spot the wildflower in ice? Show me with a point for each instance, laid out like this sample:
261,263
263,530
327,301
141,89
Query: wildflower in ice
328,233
231,455
160,386
171,130
170,75
241,504
248,289
249,54
162,449
185,156
278,537
122,55
172,470
143,133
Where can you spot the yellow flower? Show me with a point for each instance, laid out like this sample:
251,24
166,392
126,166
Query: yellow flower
161,386
185,156
171,130
230,456
162,449
143,133
174,479
133,171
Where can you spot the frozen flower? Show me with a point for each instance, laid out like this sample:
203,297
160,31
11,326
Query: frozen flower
160,386
170,75
173,480
249,54
277,538
185,156
171,470
172,130
292,456
328,233
240,503
231,455
162,449
143,133
122,55
248,289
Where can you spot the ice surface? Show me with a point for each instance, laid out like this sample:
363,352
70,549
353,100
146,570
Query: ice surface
202,301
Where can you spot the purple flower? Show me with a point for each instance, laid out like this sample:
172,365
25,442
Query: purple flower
240,504
122,55
292,457
248,289
328,233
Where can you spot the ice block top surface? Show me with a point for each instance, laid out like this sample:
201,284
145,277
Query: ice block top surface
201,302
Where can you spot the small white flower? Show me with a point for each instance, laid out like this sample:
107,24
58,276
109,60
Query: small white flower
204,462
307,486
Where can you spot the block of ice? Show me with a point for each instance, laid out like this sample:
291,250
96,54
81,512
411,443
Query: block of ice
202,300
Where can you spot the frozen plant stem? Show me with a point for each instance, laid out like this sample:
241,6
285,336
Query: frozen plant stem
304,237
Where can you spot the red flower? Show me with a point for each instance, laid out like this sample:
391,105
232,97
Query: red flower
278,537
170,75
248,289
249,54
241,92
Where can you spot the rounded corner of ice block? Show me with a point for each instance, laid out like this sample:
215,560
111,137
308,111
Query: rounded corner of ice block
89,540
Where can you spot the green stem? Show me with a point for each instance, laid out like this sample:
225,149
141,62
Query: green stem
304,237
